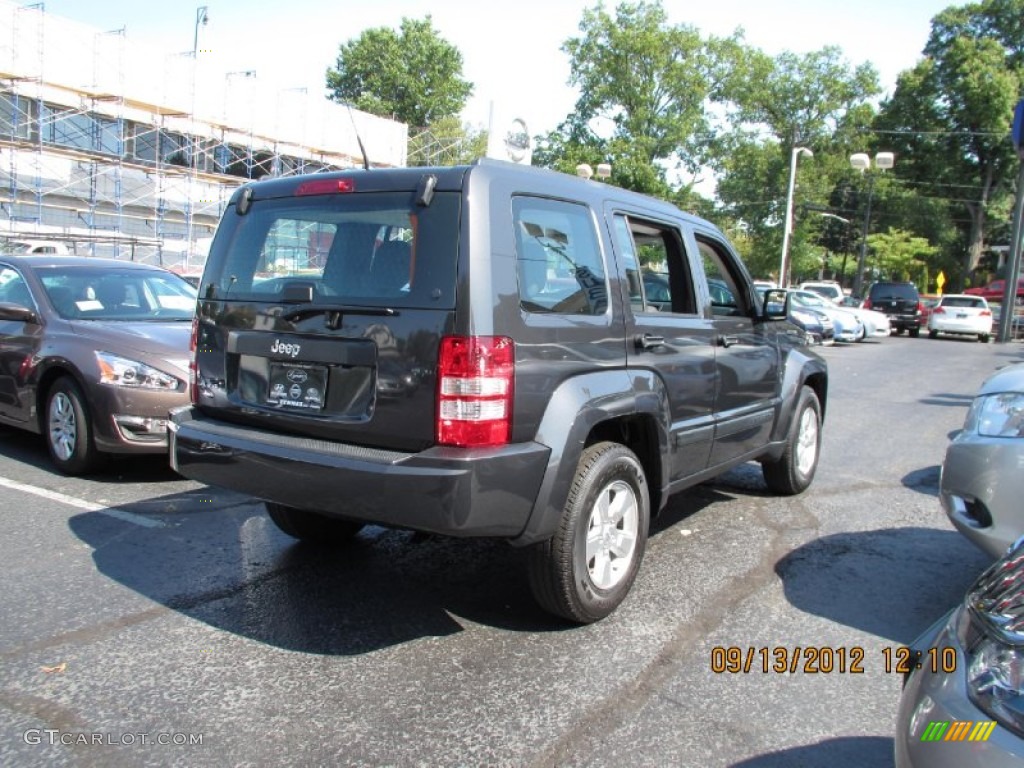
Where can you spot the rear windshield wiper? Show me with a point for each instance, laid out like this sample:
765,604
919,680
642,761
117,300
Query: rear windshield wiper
334,312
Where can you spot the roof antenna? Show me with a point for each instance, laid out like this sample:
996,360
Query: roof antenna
362,149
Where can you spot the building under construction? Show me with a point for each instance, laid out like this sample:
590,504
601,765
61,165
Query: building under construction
113,150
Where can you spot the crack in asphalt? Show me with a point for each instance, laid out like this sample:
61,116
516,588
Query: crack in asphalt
615,708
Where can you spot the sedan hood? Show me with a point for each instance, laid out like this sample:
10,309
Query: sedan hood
167,341
1008,379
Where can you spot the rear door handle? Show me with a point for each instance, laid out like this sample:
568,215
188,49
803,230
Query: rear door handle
648,341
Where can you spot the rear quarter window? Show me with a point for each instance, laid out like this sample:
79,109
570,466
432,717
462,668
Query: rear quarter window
559,262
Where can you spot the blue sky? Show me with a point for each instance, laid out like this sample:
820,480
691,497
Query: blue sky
511,51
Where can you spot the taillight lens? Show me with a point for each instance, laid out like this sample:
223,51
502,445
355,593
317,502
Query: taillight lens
325,187
867,303
985,312
193,367
474,390
938,311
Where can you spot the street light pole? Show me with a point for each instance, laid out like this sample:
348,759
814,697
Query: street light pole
787,228
202,17
861,162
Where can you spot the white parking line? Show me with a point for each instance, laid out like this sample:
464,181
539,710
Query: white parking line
120,514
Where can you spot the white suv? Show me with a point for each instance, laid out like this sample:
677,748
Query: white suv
830,289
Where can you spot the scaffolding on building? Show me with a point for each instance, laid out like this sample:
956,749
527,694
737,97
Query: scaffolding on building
135,155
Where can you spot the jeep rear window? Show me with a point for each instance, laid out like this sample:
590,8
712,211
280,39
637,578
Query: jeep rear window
361,249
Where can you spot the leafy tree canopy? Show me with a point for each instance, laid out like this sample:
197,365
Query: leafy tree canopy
413,75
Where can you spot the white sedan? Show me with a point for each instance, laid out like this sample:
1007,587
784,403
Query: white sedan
958,313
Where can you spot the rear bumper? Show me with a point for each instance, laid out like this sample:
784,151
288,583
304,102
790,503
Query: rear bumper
451,491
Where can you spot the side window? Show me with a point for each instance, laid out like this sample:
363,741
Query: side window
558,258
657,273
726,298
13,289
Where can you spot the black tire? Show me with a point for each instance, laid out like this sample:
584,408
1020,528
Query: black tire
584,585
68,429
933,334
914,332
793,472
310,526
983,338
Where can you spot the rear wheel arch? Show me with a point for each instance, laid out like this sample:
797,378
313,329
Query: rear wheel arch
610,406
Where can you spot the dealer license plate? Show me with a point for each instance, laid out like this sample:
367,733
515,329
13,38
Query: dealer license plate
297,386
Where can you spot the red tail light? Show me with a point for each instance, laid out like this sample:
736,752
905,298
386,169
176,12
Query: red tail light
474,390
938,311
193,368
919,309
985,312
325,187
867,303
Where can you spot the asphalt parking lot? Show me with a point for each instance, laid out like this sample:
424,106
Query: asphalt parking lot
149,620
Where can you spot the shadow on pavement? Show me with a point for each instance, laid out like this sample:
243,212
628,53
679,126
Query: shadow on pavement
892,583
924,480
848,752
232,569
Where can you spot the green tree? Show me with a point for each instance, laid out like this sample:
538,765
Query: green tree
815,100
643,83
900,255
949,117
414,75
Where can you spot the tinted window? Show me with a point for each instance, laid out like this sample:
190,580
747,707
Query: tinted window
657,274
559,261
905,291
351,248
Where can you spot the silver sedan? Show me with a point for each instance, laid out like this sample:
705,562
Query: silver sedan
961,706
982,480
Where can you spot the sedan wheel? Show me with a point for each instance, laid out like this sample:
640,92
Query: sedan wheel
68,429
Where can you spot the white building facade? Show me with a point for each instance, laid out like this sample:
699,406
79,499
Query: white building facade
115,150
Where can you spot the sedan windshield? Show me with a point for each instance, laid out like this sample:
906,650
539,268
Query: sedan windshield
807,299
131,294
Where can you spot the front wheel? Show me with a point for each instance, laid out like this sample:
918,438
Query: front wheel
587,568
310,526
793,472
68,431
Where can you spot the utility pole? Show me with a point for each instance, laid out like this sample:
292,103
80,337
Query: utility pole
1008,312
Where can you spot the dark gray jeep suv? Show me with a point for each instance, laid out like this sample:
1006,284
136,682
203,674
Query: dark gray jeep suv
470,351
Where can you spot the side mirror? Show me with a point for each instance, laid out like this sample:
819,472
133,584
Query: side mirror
18,313
775,304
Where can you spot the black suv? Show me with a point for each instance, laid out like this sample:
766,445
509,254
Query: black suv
900,301
472,351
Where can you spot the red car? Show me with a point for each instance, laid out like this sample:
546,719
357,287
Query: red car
994,290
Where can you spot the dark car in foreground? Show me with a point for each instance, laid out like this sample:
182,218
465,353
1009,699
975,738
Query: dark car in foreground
982,481
93,354
963,700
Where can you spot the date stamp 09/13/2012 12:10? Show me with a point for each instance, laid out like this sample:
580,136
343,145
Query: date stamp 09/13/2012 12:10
811,659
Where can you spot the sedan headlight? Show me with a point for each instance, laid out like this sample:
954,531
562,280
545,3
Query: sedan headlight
122,372
990,629
804,317
999,415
